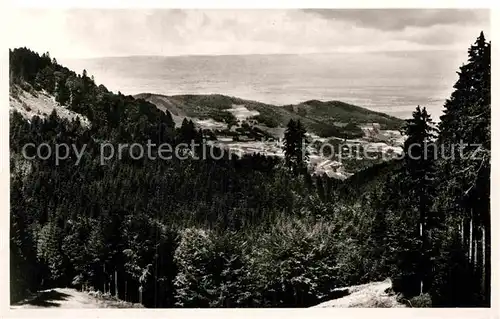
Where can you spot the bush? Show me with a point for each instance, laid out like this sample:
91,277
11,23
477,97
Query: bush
294,263
290,264
26,106
268,121
193,283
210,270
422,301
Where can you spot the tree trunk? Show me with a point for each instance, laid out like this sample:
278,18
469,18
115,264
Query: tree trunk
461,230
487,272
156,275
470,240
104,275
483,262
116,284
475,254
422,260
465,236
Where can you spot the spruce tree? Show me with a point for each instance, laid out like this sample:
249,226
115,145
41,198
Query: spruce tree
294,147
62,92
418,190
471,100
464,192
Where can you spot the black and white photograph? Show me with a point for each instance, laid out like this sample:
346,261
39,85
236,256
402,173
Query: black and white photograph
249,158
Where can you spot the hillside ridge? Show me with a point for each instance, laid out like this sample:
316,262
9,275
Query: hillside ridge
324,118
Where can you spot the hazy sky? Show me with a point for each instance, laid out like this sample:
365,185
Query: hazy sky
94,33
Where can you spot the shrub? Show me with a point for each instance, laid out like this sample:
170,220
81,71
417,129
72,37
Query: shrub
268,121
210,269
421,301
294,263
26,106
193,255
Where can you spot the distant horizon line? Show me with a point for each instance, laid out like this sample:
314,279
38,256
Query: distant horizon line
248,54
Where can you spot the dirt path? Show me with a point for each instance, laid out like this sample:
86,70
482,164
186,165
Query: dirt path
372,295
369,295
69,298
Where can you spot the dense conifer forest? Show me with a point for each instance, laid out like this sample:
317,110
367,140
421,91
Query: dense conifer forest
251,231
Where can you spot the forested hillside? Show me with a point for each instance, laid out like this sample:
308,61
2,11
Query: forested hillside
243,232
326,119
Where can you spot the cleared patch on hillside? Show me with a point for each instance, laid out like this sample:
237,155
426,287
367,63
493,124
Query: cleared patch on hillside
40,104
210,124
241,113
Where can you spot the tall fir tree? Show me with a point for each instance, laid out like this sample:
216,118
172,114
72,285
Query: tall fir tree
295,147
417,185
465,132
471,100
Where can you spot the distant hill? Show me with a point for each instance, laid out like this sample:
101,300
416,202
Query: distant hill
332,118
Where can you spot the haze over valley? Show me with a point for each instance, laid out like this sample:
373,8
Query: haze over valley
389,82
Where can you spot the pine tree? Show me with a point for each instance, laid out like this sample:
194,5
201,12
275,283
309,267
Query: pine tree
294,147
471,100
187,132
62,92
418,190
22,246
465,180
49,250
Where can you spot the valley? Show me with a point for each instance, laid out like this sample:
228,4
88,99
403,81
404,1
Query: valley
250,127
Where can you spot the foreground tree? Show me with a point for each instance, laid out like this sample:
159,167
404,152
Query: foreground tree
465,133
414,195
